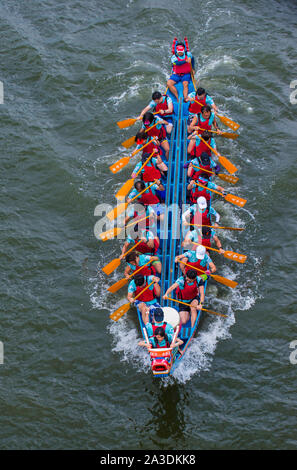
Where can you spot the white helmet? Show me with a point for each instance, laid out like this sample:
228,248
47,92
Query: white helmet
200,252
201,201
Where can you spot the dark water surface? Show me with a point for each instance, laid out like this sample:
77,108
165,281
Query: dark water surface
71,378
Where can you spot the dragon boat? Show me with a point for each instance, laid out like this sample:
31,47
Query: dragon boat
165,360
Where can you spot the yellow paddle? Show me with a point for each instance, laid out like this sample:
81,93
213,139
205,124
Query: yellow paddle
117,166
220,279
114,232
204,309
124,308
227,121
129,142
237,201
228,135
114,213
126,188
223,160
122,282
222,176
129,122
227,254
213,226
115,263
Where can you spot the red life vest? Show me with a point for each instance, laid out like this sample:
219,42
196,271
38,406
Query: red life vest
198,191
154,132
163,106
150,147
149,198
149,222
188,292
150,173
147,295
204,241
196,264
204,125
197,150
195,173
195,108
143,248
181,69
202,218
154,327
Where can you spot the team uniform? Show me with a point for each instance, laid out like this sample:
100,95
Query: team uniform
195,108
187,291
202,265
166,102
148,297
151,327
202,217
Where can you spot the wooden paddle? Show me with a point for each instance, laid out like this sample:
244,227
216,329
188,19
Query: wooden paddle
124,308
117,166
222,176
114,232
123,206
223,160
129,142
227,121
227,254
220,279
204,309
129,122
213,226
115,263
237,201
122,282
228,135
126,188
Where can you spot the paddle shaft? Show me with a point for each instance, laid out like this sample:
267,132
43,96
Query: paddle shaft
143,191
145,163
213,226
204,309
141,148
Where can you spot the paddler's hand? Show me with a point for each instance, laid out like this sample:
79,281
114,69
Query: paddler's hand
165,296
222,251
199,307
121,257
161,111
216,224
155,279
189,60
219,132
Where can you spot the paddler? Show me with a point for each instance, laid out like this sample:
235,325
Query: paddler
198,191
135,261
203,98
140,211
158,322
196,146
204,121
201,165
204,236
149,197
197,258
158,131
142,138
163,105
149,297
200,214
152,169
190,289
149,243
182,62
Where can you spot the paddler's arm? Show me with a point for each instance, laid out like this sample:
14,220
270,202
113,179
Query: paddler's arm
145,110
127,271
190,170
191,185
192,126
202,297
212,267
170,289
218,244
124,249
